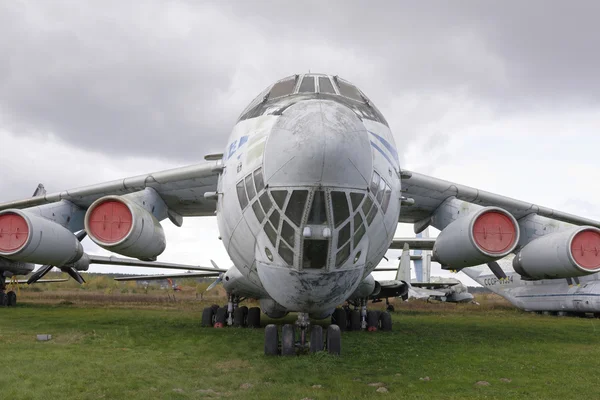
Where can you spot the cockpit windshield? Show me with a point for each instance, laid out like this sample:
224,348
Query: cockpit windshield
299,87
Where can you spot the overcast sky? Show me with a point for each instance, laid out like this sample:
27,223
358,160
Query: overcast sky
504,97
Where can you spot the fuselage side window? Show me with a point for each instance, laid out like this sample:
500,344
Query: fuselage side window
307,85
283,88
325,85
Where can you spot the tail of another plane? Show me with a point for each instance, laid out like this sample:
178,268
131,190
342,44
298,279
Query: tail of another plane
403,273
423,265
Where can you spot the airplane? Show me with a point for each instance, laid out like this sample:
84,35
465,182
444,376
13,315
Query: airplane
425,286
566,296
307,195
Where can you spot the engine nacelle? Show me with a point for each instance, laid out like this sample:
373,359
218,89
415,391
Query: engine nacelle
365,288
28,237
485,235
118,224
572,252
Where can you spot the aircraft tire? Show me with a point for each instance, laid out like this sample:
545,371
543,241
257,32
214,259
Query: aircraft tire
386,321
271,340
220,317
339,318
288,340
355,320
334,340
207,317
372,320
253,317
316,339
11,299
3,299
239,317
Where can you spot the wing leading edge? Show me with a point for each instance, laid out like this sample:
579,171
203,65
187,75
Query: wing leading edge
182,189
429,193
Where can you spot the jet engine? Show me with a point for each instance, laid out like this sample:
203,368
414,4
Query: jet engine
485,235
30,238
572,252
120,225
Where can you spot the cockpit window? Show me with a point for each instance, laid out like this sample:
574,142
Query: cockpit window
374,183
258,180
283,88
340,207
307,85
241,192
250,188
325,85
295,207
318,214
349,90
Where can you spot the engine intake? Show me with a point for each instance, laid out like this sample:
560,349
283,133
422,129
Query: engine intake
28,237
572,252
120,225
485,235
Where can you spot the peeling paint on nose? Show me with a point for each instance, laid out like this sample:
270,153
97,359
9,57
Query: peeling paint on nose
318,142
308,290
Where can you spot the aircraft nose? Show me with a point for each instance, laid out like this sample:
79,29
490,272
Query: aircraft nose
318,143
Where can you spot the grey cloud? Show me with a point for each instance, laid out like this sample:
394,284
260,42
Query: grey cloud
168,79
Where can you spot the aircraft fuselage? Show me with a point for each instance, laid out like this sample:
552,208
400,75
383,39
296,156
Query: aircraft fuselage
309,198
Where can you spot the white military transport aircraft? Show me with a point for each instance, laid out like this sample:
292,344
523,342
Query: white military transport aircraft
571,295
308,194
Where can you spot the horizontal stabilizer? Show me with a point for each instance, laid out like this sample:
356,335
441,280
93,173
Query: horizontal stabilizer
172,276
130,262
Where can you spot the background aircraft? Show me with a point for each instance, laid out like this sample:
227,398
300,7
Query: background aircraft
425,286
308,194
574,295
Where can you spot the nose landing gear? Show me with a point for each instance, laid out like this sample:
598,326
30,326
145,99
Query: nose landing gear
292,343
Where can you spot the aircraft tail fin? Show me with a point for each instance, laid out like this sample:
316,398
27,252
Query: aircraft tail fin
40,190
403,273
423,265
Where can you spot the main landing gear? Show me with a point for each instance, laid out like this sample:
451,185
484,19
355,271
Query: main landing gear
360,318
231,315
7,299
295,339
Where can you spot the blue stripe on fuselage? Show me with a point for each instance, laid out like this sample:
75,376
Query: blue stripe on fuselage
388,147
382,153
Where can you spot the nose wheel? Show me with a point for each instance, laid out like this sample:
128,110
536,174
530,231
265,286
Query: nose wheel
301,338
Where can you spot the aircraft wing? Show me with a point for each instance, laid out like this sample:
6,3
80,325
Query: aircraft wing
24,281
420,293
429,193
130,262
413,243
433,285
182,189
172,276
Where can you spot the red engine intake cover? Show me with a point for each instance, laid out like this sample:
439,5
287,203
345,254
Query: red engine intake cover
14,232
585,248
110,221
494,232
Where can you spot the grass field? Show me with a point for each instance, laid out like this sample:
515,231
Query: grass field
120,349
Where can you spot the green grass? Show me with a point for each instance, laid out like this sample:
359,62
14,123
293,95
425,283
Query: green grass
116,353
